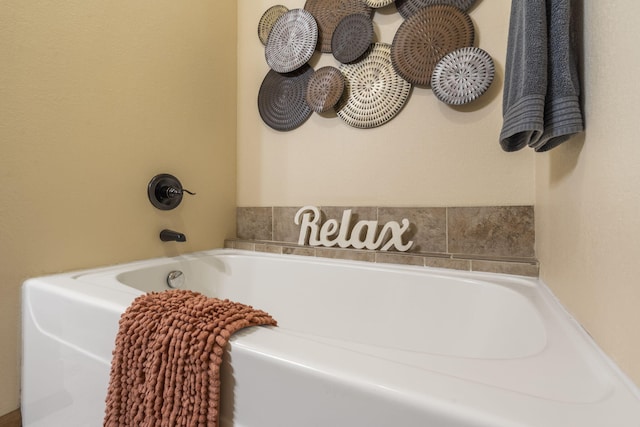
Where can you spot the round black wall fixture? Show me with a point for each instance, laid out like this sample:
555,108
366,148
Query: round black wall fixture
165,191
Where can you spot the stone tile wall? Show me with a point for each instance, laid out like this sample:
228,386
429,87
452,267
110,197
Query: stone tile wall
496,239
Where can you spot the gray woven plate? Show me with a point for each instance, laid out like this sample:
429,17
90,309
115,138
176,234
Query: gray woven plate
292,41
425,37
406,8
269,17
352,37
462,76
324,89
329,13
374,92
282,98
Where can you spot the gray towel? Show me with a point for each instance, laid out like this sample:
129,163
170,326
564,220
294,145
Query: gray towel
541,106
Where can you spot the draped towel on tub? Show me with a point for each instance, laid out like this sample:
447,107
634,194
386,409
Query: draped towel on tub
166,363
541,100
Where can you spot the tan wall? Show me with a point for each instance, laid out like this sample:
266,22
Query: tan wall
429,155
95,98
588,192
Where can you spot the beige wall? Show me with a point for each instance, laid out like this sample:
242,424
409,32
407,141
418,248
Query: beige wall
95,98
588,192
430,154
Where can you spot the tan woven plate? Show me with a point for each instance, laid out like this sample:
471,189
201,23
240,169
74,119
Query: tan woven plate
352,37
462,76
292,41
329,13
282,98
427,36
406,8
269,17
324,89
374,92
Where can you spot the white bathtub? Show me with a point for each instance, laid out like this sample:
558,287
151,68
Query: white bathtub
358,344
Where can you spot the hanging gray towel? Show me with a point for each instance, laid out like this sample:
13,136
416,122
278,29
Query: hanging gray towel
541,105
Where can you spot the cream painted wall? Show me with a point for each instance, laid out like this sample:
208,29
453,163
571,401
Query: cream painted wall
588,192
95,98
429,155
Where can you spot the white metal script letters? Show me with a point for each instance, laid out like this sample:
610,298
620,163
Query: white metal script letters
364,234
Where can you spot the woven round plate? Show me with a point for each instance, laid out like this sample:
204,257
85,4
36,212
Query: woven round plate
292,41
324,89
329,13
425,37
378,3
282,98
352,37
269,17
406,8
462,76
374,92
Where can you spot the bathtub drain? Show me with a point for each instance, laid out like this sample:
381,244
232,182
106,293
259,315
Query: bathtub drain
175,279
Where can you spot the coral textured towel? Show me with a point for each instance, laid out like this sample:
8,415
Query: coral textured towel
166,364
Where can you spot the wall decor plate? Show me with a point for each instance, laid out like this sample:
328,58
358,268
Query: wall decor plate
324,89
282,98
268,19
374,93
376,4
292,41
329,13
427,36
406,8
352,37
462,76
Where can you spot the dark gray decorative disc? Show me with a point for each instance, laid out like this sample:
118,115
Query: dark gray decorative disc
282,98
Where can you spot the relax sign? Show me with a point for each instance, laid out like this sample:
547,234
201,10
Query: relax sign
365,233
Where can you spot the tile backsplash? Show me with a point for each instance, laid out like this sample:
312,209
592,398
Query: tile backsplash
497,239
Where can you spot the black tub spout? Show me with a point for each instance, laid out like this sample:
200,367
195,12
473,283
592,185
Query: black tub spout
172,236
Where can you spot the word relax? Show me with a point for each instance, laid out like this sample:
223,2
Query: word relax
363,235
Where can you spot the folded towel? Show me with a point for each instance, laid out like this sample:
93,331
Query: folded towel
541,106
166,364
525,83
562,113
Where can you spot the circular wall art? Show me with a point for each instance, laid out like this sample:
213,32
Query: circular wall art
425,37
406,8
376,4
329,13
374,92
282,98
292,41
352,37
324,89
269,17
462,76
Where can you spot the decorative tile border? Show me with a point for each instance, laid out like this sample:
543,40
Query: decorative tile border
497,239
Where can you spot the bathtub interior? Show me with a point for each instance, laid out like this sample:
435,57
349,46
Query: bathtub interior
352,336
366,304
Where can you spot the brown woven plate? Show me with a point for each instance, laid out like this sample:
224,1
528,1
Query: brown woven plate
292,41
324,89
425,37
269,17
406,8
462,76
374,92
329,13
282,98
352,37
